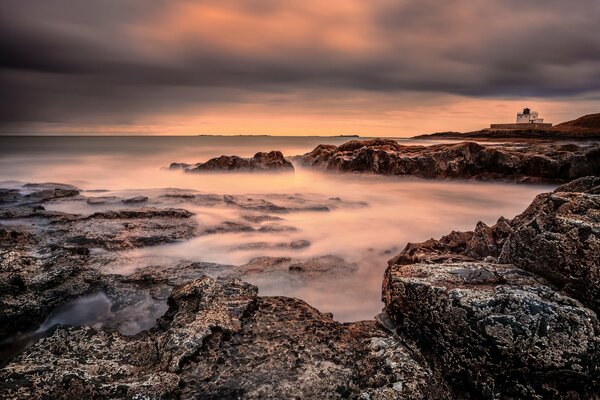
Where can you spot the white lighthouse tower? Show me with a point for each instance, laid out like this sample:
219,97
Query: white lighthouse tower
529,117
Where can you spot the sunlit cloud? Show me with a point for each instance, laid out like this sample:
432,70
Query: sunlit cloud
383,67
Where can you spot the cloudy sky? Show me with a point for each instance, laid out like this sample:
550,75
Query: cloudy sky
376,68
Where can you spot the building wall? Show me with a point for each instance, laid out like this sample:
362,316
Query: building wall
521,126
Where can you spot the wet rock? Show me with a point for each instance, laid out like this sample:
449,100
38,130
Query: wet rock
228,227
558,237
496,330
307,269
49,186
257,219
217,341
49,262
180,166
31,286
146,213
496,310
299,244
276,228
261,204
525,162
9,196
295,244
136,200
101,200
271,161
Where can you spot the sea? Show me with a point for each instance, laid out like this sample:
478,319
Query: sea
394,210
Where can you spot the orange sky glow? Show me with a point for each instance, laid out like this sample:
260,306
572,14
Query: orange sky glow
380,68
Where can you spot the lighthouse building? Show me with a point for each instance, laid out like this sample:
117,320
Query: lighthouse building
526,119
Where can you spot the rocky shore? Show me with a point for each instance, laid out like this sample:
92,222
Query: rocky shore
558,162
503,311
509,310
271,161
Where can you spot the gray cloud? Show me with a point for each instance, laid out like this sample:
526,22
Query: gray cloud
79,61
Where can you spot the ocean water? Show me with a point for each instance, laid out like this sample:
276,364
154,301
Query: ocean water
377,217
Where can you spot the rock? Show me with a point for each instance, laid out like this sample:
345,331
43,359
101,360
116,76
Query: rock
558,238
295,244
496,330
97,201
299,244
228,227
261,204
136,200
307,269
257,219
271,161
146,213
9,196
181,166
588,184
217,341
496,310
48,261
525,162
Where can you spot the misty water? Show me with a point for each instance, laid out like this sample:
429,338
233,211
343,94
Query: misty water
376,218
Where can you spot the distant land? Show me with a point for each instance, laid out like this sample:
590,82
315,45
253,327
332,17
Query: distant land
582,128
250,135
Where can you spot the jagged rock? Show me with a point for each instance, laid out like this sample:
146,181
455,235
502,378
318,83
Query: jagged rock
558,237
271,161
217,341
495,309
496,330
525,162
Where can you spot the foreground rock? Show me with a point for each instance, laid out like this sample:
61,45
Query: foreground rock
271,161
503,311
217,341
530,163
497,310
49,258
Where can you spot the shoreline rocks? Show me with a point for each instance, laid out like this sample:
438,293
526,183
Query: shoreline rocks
261,161
465,160
217,341
503,311
509,310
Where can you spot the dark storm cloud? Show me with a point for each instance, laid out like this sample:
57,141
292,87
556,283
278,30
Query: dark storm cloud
111,60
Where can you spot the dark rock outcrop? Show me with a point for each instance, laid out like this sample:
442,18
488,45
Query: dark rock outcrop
499,310
271,161
217,341
503,311
48,261
528,163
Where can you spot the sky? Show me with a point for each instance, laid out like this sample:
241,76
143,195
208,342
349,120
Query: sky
279,67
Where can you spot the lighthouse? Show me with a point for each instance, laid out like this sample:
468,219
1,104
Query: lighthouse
529,117
526,119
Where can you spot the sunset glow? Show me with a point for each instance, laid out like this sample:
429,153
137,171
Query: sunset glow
378,68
